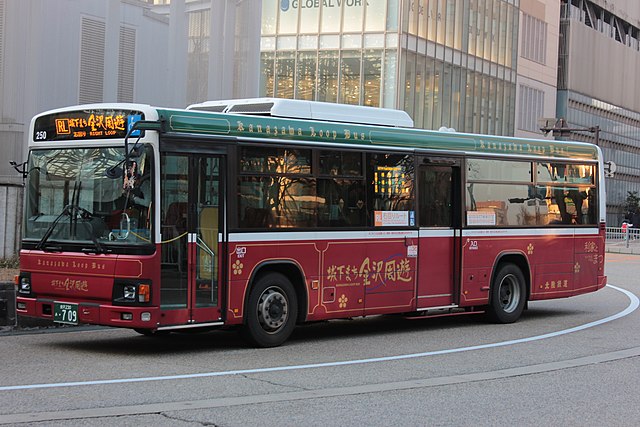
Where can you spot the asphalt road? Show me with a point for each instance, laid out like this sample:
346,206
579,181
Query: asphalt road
566,362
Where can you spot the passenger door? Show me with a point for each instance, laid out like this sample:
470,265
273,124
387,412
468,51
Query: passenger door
192,207
206,239
440,232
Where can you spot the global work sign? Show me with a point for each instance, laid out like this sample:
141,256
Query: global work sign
285,5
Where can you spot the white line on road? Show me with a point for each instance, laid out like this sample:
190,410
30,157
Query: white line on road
633,305
225,402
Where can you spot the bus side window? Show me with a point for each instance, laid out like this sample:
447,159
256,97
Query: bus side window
392,178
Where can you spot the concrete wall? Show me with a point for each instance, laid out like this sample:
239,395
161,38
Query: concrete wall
40,70
10,220
603,68
629,10
539,76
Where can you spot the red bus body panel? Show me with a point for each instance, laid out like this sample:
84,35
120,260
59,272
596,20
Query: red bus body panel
344,278
87,279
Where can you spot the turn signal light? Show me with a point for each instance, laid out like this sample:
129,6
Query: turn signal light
144,293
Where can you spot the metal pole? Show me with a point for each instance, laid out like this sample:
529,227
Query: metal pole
626,234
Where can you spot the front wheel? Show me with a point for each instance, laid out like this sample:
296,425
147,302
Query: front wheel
271,311
508,295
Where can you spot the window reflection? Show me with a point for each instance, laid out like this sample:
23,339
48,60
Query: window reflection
393,178
285,69
555,172
563,194
339,163
498,170
275,160
342,203
328,76
350,77
306,76
277,201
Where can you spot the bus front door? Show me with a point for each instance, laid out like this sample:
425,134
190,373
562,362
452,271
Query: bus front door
440,230
206,240
192,190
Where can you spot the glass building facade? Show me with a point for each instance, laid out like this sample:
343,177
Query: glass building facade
447,63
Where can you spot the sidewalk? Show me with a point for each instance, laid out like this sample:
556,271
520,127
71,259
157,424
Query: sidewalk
620,247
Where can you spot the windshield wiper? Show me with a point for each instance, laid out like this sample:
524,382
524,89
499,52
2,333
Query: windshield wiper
47,234
72,211
86,215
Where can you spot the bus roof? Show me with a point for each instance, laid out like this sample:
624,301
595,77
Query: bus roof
255,124
299,109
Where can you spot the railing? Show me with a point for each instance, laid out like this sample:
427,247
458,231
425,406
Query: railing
623,235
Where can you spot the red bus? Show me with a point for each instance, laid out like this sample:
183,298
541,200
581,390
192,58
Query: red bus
265,213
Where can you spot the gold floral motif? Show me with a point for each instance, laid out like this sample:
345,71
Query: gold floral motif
342,301
576,268
530,249
237,268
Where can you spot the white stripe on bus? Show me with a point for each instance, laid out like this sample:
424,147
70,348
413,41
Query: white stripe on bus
424,232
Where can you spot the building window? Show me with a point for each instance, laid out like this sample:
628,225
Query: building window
534,39
530,108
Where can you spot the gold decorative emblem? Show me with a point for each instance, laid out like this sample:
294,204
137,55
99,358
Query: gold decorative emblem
237,267
576,268
342,301
530,249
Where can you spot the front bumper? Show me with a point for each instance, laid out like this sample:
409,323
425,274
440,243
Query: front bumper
93,313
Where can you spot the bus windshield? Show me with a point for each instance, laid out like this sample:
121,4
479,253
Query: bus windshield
88,199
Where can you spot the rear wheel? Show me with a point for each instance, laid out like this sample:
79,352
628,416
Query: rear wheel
271,311
508,294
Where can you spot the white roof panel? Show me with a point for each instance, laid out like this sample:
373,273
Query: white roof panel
309,110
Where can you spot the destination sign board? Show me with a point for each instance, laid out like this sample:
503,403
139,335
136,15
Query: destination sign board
85,124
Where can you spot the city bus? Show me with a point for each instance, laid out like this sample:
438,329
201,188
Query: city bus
261,214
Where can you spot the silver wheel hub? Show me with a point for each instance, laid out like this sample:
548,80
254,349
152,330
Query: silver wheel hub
509,293
273,309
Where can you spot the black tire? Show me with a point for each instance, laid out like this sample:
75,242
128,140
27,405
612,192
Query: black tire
271,311
508,294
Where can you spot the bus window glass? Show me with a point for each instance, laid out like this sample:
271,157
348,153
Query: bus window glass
568,205
521,205
561,173
498,170
340,163
275,160
435,195
341,203
81,196
392,177
501,205
277,202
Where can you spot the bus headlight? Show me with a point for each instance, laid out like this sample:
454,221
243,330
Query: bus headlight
24,285
131,293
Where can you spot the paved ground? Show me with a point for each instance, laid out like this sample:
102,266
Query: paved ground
622,247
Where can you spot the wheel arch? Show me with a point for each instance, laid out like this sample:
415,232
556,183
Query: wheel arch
292,271
520,260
